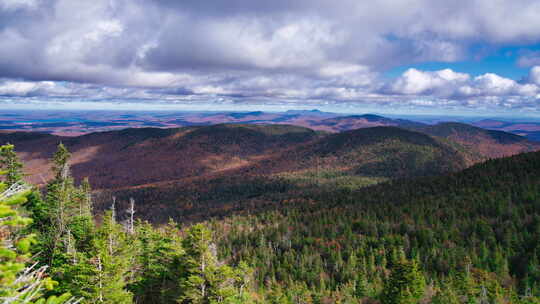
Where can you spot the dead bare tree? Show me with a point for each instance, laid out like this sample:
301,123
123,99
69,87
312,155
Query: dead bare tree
131,212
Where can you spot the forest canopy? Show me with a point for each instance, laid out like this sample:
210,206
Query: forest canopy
466,237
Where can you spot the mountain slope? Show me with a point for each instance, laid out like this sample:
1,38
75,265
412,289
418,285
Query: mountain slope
387,152
529,130
344,123
227,165
487,143
349,159
140,156
481,225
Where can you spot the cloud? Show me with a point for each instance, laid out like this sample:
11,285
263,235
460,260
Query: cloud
534,75
23,88
13,5
415,82
449,84
273,51
85,40
529,58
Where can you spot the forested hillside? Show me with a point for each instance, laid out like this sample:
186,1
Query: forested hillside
151,156
475,236
349,159
466,237
487,143
54,251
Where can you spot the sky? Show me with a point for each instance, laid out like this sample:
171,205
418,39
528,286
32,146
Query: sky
466,57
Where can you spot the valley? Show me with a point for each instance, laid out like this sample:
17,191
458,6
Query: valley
320,216
200,171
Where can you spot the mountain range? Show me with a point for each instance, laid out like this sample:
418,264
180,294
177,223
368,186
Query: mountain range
76,123
181,165
318,214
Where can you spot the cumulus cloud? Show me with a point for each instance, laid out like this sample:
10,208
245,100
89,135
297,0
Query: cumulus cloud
270,50
447,83
415,82
24,88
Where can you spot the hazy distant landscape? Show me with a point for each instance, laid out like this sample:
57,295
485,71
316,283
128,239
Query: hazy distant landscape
74,123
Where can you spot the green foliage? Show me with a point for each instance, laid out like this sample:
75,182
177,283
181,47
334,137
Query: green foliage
474,234
158,255
202,278
406,283
14,247
446,295
112,263
10,163
21,281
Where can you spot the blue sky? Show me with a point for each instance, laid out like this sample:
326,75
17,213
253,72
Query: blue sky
474,57
502,60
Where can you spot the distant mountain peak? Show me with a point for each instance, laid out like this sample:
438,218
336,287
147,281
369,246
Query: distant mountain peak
245,114
309,112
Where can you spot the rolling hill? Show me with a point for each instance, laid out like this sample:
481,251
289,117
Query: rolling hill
344,123
326,215
478,227
485,143
529,130
233,166
132,157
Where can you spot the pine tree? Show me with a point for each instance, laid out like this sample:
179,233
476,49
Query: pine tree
158,255
85,198
405,285
361,286
66,229
111,263
61,199
11,164
203,279
20,283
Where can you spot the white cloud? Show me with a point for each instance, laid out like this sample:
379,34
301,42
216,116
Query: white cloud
493,84
449,84
23,88
287,51
534,75
12,5
414,82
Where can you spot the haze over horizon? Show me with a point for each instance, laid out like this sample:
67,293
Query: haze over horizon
470,58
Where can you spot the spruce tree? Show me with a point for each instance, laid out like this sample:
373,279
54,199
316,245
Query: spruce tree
111,263
60,197
21,280
158,255
10,163
66,229
203,279
405,285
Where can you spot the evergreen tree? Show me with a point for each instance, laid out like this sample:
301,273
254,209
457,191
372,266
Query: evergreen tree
445,295
405,285
85,198
158,255
361,286
111,263
65,228
68,212
203,279
11,164
20,283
